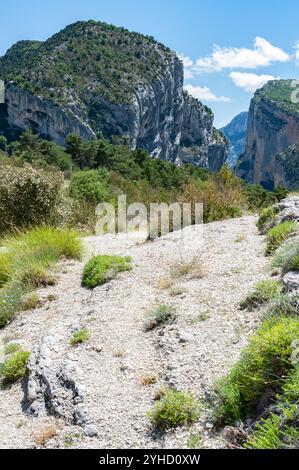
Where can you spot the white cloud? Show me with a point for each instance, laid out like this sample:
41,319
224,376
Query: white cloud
188,66
186,60
297,52
262,54
250,81
205,94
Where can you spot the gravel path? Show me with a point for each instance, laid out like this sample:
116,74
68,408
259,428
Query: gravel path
191,354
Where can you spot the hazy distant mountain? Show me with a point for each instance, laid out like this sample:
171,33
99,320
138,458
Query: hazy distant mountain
236,133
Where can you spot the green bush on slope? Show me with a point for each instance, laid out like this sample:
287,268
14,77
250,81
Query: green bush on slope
278,235
259,374
28,196
101,269
175,409
262,293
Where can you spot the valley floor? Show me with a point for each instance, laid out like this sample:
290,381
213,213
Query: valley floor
191,354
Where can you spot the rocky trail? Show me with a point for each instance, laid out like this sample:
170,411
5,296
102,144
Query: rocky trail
93,395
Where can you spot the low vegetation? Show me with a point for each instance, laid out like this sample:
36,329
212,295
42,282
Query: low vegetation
287,256
175,409
81,336
260,373
262,293
192,270
28,196
12,348
25,263
159,316
149,379
279,234
101,269
15,367
267,219
284,306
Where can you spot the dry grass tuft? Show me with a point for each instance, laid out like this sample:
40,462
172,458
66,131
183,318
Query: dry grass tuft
149,379
191,270
165,283
44,435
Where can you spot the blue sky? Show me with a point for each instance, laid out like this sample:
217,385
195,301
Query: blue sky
232,46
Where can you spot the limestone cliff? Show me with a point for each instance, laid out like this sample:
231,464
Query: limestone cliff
92,77
273,125
201,144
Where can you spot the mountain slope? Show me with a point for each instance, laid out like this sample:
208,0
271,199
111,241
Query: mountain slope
273,125
236,133
93,77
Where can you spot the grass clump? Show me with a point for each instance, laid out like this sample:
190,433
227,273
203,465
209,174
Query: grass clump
101,269
15,367
191,269
262,293
25,264
31,302
280,430
159,316
278,235
11,348
259,374
149,379
175,409
80,337
287,256
284,306
267,219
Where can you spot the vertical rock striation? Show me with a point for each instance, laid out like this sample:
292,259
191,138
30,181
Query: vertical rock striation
273,126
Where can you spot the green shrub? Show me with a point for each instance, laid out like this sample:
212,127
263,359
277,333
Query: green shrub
259,374
15,368
287,256
223,195
89,186
10,302
267,219
279,234
12,348
28,196
80,337
25,265
175,409
281,429
31,302
275,433
262,293
101,269
259,197
160,315
284,306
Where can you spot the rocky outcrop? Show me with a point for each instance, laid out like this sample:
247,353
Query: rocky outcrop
273,125
53,387
142,105
201,144
236,133
25,110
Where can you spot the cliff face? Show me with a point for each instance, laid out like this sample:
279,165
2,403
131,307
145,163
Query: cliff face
201,144
273,125
236,133
25,110
93,77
